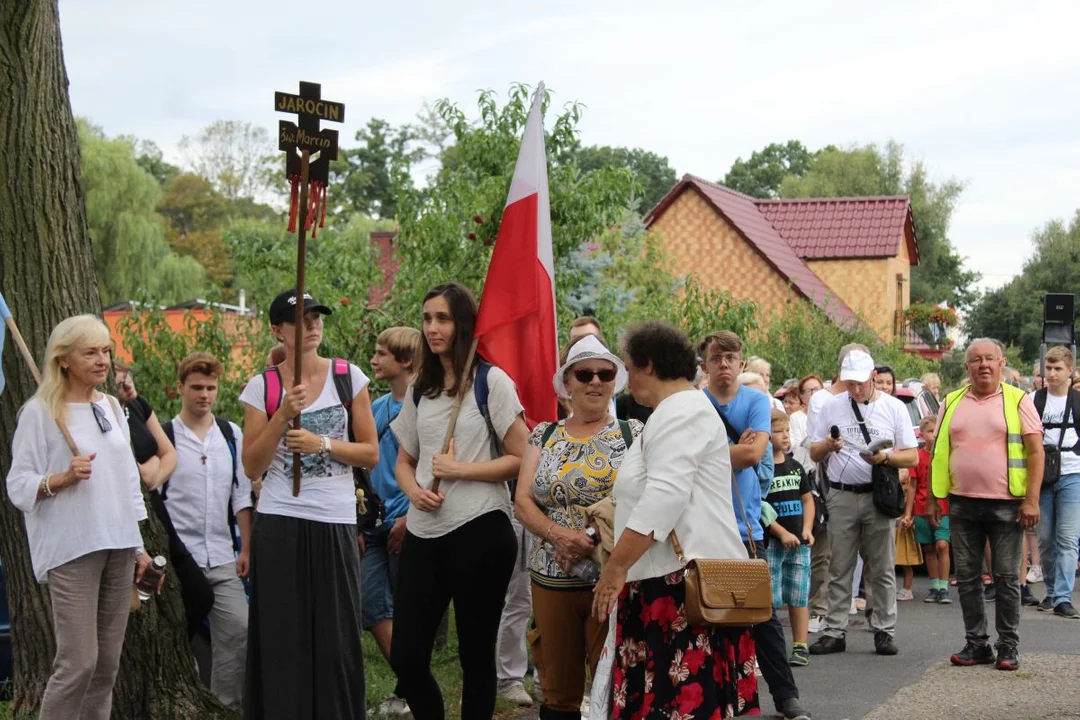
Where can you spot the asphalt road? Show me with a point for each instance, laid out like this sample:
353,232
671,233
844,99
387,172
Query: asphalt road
859,683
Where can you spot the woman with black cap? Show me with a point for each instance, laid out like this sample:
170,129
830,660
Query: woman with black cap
304,654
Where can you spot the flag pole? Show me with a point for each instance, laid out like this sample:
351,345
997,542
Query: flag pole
28,358
459,397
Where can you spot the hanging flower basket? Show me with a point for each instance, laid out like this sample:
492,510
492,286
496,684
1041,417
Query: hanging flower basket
931,323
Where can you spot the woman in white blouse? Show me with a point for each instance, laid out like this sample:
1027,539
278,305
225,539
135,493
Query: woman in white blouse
675,480
82,515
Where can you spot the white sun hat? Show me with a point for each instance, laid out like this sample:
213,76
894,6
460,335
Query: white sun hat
588,348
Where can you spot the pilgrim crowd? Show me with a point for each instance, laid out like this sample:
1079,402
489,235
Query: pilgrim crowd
563,548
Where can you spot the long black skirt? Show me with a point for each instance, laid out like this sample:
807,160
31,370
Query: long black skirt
304,658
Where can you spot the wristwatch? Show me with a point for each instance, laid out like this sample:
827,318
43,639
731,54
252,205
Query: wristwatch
324,445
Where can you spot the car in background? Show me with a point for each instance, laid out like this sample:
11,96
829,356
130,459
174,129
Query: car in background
919,402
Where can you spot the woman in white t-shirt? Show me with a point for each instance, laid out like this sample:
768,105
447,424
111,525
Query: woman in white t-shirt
304,654
84,536
459,543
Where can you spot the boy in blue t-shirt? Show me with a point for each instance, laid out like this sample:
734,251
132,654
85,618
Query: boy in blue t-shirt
792,531
396,352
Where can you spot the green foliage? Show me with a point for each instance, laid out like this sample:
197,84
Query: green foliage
131,256
151,160
763,173
803,340
362,176
238,158
447,229
1013,313
340,271
651,171
870,170
157,350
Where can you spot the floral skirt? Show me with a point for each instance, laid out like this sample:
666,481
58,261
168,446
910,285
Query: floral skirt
665,668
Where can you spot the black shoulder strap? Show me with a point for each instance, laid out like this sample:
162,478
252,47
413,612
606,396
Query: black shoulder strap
230,439
732,433
548,432
343,385
627,433
1040,400
859,418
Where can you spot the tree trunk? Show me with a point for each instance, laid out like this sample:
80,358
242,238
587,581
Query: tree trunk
47,274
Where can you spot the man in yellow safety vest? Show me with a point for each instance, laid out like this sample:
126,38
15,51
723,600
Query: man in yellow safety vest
988,461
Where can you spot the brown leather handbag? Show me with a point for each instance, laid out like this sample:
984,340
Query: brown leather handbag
727,592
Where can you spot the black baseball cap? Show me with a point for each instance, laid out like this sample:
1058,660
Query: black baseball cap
283,308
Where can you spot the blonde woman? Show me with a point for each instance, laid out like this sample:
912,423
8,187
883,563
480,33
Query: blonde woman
84,536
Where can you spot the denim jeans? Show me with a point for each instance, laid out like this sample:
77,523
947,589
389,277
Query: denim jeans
1059,533
974,521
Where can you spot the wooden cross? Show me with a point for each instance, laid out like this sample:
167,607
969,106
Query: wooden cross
309,151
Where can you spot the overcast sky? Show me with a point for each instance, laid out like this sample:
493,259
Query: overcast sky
985,92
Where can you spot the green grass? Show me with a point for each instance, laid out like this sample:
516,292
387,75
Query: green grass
380,678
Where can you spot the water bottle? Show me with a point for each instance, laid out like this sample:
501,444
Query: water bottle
150,579
585,568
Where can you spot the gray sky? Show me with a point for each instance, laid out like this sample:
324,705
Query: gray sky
984,92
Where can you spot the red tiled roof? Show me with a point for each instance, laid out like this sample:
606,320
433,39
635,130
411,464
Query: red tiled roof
743,215
863,227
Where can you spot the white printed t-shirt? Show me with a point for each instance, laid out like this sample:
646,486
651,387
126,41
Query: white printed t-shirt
327,492
1054,413
885,418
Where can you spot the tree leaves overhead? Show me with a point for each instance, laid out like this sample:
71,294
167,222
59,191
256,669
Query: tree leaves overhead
762,174
362,175
131,255
1013,313
651,171
238,158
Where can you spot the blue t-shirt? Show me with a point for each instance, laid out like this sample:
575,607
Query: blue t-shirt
385,409
748,409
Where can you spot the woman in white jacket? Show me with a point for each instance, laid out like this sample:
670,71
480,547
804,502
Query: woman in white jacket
676,480
82,515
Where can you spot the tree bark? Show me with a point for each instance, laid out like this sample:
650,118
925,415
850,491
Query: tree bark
46,275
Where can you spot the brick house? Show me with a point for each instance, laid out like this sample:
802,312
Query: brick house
850,256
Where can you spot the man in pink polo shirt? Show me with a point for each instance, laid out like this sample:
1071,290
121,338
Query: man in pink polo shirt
988,461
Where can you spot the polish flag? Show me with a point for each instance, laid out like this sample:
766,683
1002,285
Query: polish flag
516,325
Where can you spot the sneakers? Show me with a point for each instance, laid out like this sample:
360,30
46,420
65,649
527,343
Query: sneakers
394,707
792,709
800,656
854,608
816,624
883,643
1035,574
989,593
1027,597
515,693
1066,610
1008,658
1047,604
973,655
828,645
943,596
931,597
904,594
860,603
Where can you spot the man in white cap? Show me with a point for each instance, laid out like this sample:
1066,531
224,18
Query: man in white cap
855,524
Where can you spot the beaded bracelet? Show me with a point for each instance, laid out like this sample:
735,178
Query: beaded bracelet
45,487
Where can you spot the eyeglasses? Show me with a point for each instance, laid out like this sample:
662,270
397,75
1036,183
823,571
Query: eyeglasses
726,359
585,376
102,421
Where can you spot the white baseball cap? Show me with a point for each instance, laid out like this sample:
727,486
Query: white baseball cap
857,366
588,348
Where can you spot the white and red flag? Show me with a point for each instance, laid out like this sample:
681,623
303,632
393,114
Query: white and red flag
516,325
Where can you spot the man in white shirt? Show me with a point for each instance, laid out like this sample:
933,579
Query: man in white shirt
854,522
208,482
1059,528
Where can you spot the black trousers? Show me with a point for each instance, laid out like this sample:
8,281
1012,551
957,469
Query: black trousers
470,566
772,654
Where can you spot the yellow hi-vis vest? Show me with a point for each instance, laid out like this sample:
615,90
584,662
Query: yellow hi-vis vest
1017,455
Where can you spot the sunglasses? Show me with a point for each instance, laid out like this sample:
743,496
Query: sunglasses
585,376
102,422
